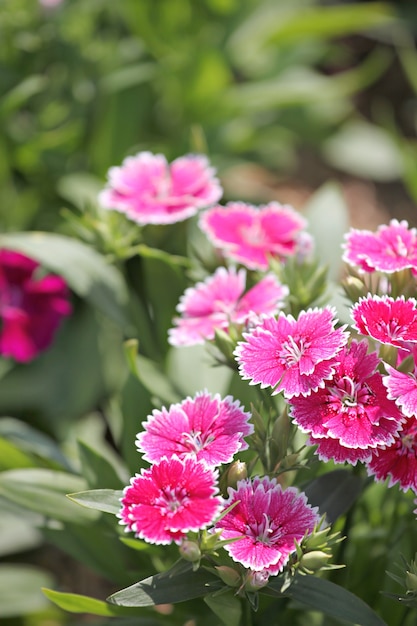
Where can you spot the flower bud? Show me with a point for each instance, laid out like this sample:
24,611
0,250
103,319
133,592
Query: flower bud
411,581
314,561
190,551
354,288
228,575
256,580
237,471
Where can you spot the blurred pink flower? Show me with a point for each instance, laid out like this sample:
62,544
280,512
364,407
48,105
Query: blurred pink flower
219,301
352,408
169,499
388,320
390,249
268,519
398,462
50,3
150,191
250,234
31,308
402,388
205,428
293,356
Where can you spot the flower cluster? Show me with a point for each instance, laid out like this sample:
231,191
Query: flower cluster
32,306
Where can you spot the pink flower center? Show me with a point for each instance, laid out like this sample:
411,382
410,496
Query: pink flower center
196,441
264,531
398,248
292,351
408,443
351,395
392,328
254,234
171,499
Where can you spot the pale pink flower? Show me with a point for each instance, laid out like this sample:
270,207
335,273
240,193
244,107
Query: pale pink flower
398,462
293,356
265,522
391,249
206,428
251,235
402,388
388,320
352,408
150,191
169,499
220,301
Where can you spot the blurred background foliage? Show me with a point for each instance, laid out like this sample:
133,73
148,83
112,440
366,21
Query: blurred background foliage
283,95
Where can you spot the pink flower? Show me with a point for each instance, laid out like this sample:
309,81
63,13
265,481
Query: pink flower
250,235
219,301
31,308
293,356
399,461
169,499
332,450
149,191
205,428
403,389
352,408
391,249
268,519
388,320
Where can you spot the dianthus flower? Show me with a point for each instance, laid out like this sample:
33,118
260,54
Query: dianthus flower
293,356
267,520
332,450
31,308
352,408
219,301
250,234
150,191
391,249
402,388
398,462
206,428
169,499
388,320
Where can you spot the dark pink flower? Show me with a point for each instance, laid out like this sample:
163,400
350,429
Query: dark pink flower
352,408
293,356
398,462
332,450
169,499
150,191
388,320
402,388
391,249
268,519
31,308
251,235
219,301
206,428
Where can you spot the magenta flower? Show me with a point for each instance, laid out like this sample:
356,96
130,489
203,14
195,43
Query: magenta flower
219,301
268,519
402,388
391,249
293,356
332,450
251,235
169,499
150,191
388,320
352,408
206,428
398,462
31,308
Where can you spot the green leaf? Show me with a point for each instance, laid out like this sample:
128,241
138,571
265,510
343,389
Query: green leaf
168,587
193,369
328,220
75,603
97,469
20,589
326,597
86,271
17,534
155,381
11,457
226,606
334,493
105,500
44,491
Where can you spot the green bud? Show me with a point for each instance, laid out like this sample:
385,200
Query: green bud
228,575
190,551
411,581
354,288
314,561
237,471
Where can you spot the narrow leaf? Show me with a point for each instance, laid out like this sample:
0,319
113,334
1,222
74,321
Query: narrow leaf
75,603
105,500
334,493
